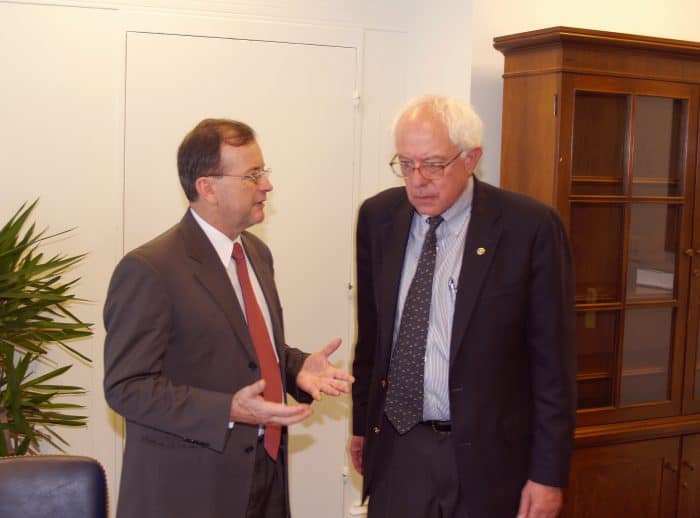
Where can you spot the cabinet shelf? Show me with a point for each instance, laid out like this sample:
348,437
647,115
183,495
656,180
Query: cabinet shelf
583,307
596,179
613,180
644,371
593,376
621,199
655,181
626,373
579,178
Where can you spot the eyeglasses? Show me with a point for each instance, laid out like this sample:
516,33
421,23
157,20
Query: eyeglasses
428,170
255,176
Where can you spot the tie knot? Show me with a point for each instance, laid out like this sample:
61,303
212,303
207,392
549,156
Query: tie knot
434,222
238,252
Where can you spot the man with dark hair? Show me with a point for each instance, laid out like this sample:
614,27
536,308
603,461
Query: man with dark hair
195,355
465,398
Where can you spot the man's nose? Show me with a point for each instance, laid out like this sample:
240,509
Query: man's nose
264,184
415,178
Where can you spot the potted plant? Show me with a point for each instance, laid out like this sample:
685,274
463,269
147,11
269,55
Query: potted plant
34,316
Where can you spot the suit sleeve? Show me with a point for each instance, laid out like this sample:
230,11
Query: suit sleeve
294,359
366,326
138,320
550,341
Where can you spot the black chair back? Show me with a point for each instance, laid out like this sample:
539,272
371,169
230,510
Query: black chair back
52,486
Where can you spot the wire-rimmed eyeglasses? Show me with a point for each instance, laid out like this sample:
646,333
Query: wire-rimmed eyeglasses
254,176
428,170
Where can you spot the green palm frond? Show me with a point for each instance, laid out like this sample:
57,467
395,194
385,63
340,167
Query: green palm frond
34,316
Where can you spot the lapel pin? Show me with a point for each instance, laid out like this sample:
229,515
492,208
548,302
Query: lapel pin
480,251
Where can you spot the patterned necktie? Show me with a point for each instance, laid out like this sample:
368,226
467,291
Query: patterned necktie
269,367
404,399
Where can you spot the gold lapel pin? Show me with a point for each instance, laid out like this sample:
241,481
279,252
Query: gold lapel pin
480,251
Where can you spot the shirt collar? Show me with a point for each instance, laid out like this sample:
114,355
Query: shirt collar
221,242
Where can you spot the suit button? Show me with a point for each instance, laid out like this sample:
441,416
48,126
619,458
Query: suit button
249,449
252,366
376,429
383,384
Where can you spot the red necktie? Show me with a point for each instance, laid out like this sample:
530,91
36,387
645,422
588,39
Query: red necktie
263,348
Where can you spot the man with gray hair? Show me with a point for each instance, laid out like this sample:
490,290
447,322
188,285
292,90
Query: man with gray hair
464,403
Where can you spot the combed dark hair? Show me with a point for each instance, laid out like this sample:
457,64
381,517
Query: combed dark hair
199,153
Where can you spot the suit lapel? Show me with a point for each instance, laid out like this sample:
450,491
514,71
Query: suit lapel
210,273
479,250
394,235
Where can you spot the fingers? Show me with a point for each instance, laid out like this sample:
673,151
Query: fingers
249,406
356,459
267,412
540,501
342,376
286,415
254,389
329,386
331,347
329,390
524,507
334,387
355,449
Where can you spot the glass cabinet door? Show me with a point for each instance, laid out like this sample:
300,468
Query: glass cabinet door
627,203
600,143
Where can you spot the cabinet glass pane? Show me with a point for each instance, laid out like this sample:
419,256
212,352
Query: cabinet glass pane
659,130
596,345
646,355
653,242
596,240
600,134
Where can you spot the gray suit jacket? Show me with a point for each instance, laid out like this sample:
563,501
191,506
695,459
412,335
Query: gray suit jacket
177,349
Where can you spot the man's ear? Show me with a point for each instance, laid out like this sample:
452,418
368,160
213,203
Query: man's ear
472,159
205,189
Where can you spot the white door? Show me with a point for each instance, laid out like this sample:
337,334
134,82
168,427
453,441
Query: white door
299,99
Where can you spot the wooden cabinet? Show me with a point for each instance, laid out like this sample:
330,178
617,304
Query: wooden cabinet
657,478
604,127
635,479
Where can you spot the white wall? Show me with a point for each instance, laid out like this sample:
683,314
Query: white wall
59,106
676,19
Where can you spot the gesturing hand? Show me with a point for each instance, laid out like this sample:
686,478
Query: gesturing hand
539,501
249,406
318,376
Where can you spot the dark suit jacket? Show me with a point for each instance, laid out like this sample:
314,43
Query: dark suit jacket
177,349
511,380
